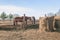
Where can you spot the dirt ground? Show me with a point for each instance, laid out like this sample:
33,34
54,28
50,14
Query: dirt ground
29,34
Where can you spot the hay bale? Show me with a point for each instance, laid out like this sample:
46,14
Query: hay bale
46,24
42,24
50,23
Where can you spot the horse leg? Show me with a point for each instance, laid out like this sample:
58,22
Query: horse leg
23,25
14,23
26,22
34,21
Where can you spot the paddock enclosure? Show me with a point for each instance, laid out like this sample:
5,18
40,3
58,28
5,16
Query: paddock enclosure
29,34
34,32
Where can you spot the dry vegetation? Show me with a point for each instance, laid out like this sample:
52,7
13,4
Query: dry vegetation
29,34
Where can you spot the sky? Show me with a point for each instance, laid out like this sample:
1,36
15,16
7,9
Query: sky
35,8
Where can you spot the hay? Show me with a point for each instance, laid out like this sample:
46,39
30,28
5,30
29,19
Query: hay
46,24
51,23
42,24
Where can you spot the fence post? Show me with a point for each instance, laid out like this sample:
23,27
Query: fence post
24,21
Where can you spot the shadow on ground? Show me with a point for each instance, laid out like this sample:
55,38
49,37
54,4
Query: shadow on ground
57,30
35,26
8,27
18,27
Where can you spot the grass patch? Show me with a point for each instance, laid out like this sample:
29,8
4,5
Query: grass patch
36,26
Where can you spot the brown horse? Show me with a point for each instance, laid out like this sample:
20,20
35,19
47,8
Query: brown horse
21,19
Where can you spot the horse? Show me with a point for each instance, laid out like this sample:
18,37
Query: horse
21,19
33,20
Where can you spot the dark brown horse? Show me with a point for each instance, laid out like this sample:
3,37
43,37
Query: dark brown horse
21,19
